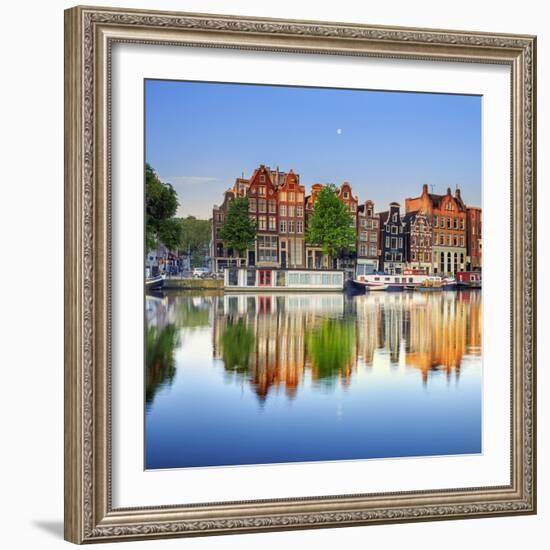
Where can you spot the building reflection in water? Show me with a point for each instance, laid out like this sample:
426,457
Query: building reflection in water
278,341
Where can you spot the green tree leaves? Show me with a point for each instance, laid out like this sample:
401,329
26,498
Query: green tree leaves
161,203
331,226
238,230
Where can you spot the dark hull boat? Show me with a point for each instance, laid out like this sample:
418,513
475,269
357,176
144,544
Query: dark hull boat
154,283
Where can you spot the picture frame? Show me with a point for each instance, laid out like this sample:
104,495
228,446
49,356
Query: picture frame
90,34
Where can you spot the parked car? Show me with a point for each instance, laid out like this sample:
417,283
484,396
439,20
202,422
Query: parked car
200,272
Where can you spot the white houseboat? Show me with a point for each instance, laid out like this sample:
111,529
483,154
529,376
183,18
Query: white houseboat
408,280
272,279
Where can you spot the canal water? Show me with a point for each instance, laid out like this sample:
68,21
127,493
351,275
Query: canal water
234,379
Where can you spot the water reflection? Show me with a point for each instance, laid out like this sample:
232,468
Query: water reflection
245,378
271,340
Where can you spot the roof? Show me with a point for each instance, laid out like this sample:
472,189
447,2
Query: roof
383,216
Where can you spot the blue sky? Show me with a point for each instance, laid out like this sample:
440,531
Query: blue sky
201,136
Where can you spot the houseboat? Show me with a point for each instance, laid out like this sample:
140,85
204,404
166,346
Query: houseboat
408,280
468,279
246,279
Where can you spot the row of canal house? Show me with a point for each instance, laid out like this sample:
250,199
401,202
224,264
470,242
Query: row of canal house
436,233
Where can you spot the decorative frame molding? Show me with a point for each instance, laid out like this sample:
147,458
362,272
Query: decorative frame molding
89,35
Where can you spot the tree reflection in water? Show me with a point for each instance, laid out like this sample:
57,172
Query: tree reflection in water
238,343
330,349
159,359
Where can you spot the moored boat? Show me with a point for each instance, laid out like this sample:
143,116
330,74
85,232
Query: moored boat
468,279
433,284
270,279
154,283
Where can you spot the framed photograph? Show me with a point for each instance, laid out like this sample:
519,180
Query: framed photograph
300,274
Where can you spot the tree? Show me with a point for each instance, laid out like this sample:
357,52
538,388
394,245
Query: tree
195,238
161,203
331,225
169,233
238,230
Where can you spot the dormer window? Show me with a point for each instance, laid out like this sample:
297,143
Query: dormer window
262,178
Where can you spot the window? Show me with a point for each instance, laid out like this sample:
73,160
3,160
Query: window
442,222
272,207
267,248
373,237
282,196
353,207
262,178
290,210
261,190
362,250
375,224
282,226
455,241
291,226
414,256
299,227
369,212
298,251
462,223
455,224
462,240
362,235
272,223
448,223
346,194
282,210
362,222
435,221
372,250
400,229
400,242
394,242
387,242
300,211
394,229
261,223
394,217
387,228
261,205
291,196
252,205
299,197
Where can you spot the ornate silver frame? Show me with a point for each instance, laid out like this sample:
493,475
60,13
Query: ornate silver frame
89,35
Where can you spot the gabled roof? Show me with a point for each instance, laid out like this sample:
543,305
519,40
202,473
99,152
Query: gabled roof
383,216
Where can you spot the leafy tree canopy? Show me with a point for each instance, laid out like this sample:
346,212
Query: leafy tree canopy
195,235
331,225
238,230
161,203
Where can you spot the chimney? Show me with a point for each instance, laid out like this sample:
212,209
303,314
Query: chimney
448,190
425,189
457,193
